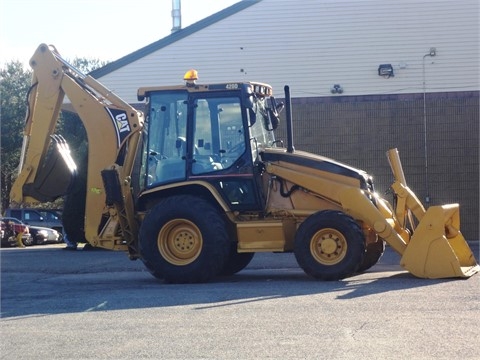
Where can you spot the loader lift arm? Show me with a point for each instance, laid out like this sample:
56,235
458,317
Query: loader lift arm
429,241
113,130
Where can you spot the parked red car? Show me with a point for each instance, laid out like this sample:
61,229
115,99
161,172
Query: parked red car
10,227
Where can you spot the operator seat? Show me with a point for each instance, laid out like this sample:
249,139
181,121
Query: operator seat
173,169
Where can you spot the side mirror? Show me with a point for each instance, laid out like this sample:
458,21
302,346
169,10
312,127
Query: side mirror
273,110
280,107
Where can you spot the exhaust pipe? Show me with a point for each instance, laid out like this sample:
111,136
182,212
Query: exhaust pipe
288,109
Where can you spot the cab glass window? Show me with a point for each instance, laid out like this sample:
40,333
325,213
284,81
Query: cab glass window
219,135
166,137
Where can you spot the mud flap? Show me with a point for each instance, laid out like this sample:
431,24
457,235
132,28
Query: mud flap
438,249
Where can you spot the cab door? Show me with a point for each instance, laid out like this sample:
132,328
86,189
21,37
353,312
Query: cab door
220,152
166,138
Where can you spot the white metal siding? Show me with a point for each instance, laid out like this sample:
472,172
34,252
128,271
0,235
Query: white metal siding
313,44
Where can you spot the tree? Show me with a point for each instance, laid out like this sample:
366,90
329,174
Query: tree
87,65
14,85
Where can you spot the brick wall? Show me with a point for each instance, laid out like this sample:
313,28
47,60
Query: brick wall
358,130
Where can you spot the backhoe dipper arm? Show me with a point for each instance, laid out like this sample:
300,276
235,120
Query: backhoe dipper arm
113,130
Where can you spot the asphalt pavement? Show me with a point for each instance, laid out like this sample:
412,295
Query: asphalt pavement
58,304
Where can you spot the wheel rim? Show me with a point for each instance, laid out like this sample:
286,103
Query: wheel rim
328,246
180,242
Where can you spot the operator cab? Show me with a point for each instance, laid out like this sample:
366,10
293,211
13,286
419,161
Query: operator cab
212,133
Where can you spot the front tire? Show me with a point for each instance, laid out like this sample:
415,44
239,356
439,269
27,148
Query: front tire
374,252
329,245
184,239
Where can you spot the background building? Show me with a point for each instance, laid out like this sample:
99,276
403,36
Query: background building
365,76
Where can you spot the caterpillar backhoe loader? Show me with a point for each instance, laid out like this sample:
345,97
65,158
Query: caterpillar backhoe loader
200,184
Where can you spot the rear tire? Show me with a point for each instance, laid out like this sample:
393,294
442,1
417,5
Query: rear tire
329,245
236,261
184,239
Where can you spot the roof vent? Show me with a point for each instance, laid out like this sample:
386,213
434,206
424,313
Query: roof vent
176,15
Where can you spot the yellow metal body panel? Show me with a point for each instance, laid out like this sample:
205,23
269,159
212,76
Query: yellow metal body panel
298,200
323,184
257,236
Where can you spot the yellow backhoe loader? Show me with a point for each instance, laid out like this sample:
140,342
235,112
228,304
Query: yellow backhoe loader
200,184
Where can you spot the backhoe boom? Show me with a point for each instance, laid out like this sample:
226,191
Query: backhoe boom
113,130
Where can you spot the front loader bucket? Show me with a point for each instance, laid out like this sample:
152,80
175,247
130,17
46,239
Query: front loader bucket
437,248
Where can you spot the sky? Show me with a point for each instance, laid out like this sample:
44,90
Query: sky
93,29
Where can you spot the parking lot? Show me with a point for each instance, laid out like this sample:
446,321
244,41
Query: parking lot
58,304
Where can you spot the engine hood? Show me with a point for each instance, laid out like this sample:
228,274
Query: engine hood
313,161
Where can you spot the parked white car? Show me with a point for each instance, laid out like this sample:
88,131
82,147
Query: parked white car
43,235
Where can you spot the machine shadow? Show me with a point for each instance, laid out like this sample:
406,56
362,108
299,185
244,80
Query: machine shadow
51,290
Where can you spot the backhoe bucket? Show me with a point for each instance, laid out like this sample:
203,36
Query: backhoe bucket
437,248
56,175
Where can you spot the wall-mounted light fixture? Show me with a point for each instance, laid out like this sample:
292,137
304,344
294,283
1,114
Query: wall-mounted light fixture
385,70
336,89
